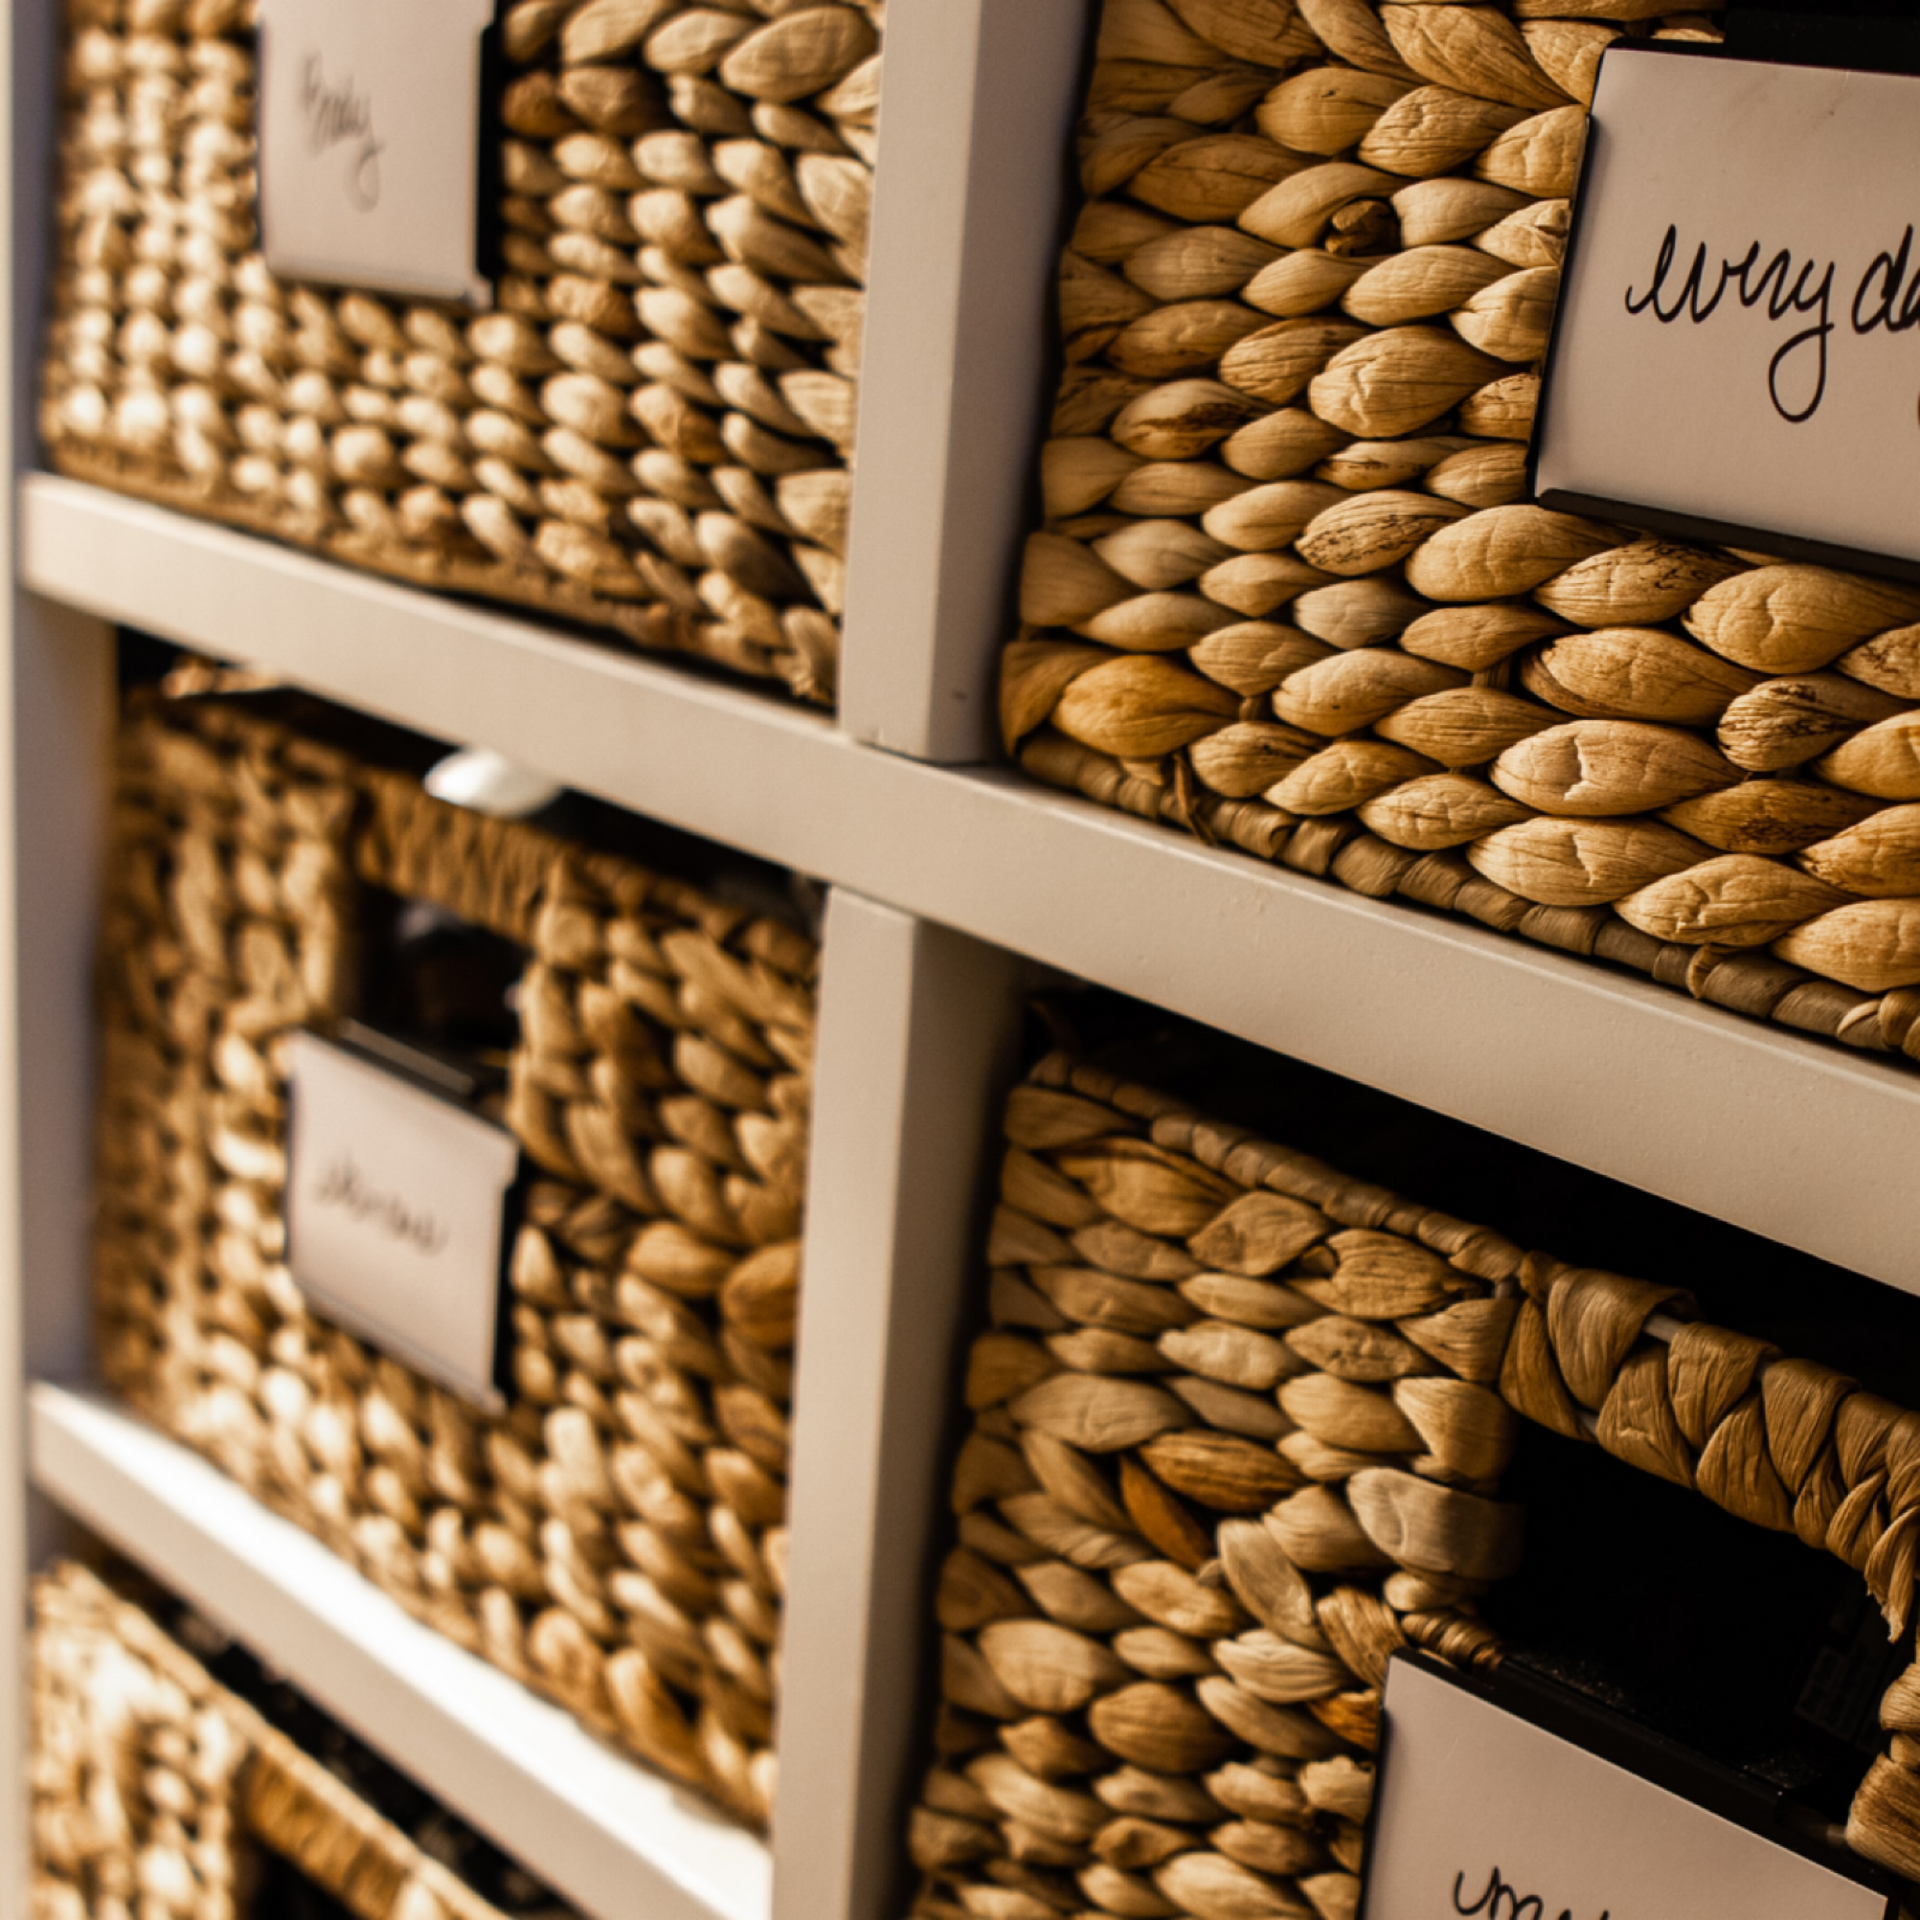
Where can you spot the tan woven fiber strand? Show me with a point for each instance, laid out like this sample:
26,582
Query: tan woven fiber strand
1238,1429
652,431
1290,597
153,1786
617,1538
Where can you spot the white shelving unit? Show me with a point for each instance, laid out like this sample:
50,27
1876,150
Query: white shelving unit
954,883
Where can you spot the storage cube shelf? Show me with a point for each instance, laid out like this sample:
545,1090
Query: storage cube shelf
612,1531
1291,594
954,883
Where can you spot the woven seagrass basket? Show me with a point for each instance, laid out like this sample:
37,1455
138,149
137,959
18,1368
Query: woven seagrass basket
650,432
1239,1428
1290,595
158,1791
616,1537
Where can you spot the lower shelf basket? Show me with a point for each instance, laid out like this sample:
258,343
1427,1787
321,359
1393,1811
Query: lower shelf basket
1239,1427
614,1533
159,1792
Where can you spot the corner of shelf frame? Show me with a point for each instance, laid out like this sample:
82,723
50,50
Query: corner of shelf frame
976,121
621,1842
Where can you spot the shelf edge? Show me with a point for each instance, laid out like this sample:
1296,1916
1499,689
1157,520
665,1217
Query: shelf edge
1803,1142
617,1840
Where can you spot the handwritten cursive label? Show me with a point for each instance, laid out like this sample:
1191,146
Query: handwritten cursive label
340,115
1776,287
370,144
346,1186
1737,352
1499,1901
1500,1803
1886,299
395,1207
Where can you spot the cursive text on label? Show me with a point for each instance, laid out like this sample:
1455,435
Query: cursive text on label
339,115
1499,1901
1777,285
346,1187
1886,299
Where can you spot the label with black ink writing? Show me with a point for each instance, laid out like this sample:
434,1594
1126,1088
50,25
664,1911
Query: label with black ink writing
370,143
1484,1813
395,1212
1737,353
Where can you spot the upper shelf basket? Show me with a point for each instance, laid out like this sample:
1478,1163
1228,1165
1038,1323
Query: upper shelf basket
651,430
1290,595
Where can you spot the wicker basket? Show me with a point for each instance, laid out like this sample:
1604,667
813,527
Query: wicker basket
616,1538
1239,1427
155,1788
1290,596
651,431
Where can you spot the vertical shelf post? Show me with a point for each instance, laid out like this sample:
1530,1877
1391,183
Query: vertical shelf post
918,1036
975,142
56,677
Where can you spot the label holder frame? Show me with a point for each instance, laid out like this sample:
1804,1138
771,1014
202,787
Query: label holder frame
1563,1712
390,1059
1664,522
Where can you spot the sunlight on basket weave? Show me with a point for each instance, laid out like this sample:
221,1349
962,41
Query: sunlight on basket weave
617,1538
154,1788
1289,595
652,430
1238,1430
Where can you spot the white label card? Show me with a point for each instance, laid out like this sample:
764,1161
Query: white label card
1738,342
370,143
1484,1816
395,1213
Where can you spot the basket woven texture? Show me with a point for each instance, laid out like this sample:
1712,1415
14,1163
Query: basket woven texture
650,433
1290,597
1238,1429
617,1537
153,1786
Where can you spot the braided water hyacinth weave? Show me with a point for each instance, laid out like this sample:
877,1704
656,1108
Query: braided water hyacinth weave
617,1537
650,433
155,1788
1238,1430
1290,596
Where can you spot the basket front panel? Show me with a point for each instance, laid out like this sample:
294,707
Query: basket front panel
1235,1438
651,432
616,1538
136,1770
1290,595
1238,1429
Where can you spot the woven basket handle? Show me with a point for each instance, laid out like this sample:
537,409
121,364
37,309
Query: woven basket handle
489,871
1780,1442
295,1806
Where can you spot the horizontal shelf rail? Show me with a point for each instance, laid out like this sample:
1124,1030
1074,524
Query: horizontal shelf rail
619,1841
1789,1137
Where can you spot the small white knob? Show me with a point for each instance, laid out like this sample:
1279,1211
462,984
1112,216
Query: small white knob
487,782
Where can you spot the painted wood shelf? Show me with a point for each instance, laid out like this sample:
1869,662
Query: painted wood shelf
615,1838
1791,1138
